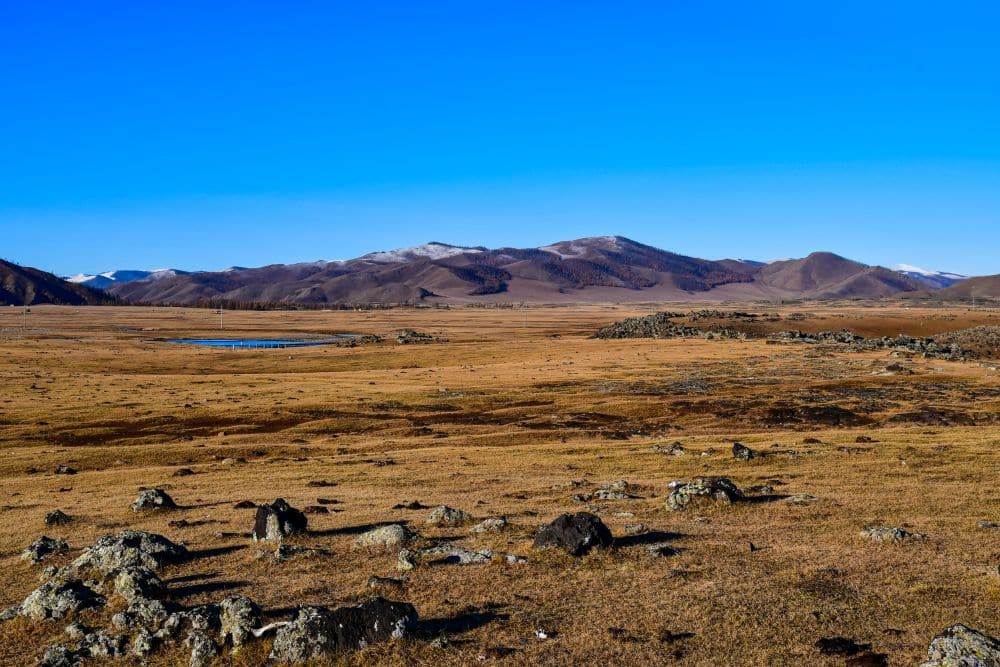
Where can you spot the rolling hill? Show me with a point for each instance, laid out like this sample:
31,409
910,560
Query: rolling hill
23,285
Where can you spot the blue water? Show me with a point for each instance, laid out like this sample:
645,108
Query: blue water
248,343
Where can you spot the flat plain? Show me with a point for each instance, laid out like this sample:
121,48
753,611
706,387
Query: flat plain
515,414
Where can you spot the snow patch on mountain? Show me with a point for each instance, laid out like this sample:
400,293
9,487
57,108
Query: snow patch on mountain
432,250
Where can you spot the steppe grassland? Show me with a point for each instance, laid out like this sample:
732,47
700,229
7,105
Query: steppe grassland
498,421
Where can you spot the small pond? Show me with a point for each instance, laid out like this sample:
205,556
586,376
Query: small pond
254,343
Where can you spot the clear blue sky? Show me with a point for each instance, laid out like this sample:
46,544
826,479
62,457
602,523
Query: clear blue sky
202,135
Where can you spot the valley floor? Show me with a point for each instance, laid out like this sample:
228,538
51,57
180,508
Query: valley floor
515,415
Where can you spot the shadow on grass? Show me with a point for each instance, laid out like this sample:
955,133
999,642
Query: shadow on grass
217,551
769,498
355,530
465,621
652,537
207,587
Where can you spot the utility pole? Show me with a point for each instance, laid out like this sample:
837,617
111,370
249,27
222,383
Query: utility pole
220,318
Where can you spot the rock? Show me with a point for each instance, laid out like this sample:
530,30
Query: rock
245,505
129,548
153,500
718,489
144,643
492,525
406,560
63,469
673,449
57,518
457,555
315,509
102,646
840,646
76,630
661,550
634,529
386,582
43,548
743,453
800,499
183,472
10,613
278,520
60,656
318,633
988,525
58,597
205,617
575,533
138,583
203,649
961,646
446,516
514,559
385,538
142,613
890,534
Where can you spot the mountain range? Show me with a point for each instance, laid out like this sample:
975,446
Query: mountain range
603,268
20,285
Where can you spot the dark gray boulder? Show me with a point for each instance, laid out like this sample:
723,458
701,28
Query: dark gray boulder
576,533
152,500
43,548
57,518
57,598
743,453
702,489
129,548
318,633
278,520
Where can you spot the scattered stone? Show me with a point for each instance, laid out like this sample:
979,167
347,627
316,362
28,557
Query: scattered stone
446,516
868,659
203,649
743,453
152,500
320,483
76,630
406,560
961,646
411,337
673,449
327,501
491,525
718,489
576,533
800,499
143,613
276,521
514,559
318,633
238,616
57,598
145,642
840,646
988,525
661,550
457,555
315,509
633,529
245,505
864,439
812,441
386,582
43,548
60,656
63,469
57,518
102,646
183,472
894,535
385,538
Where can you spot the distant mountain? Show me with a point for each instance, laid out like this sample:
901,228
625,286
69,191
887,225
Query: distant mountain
980,287
601,268
934,279
23,285
109,278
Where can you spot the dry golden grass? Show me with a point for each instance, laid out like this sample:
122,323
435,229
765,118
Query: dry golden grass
496,422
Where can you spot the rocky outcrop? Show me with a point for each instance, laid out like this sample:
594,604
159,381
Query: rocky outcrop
385,538
445,516
318,633
892,535
577,534
702,489
151,500
58,597
44,547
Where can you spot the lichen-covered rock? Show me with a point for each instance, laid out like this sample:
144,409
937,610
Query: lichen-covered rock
60,656
446,516
203,649
673,449
385,538
743,453
491,525
458,555
204,617
718,489
102,646
57,518
43,548
145,642
142,613
138,583
961,646
238,615
406,560
129,548
576,533
892,535
153,499
58,597
318,633
277,521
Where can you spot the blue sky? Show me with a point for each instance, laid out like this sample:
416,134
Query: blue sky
204,135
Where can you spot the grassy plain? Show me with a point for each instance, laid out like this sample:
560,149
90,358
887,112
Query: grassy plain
498,421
